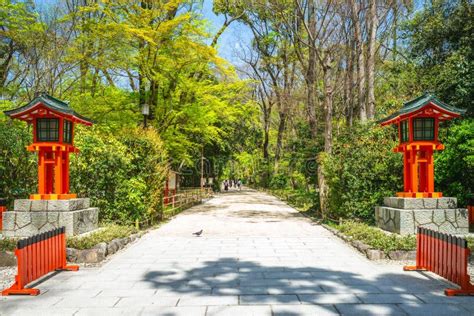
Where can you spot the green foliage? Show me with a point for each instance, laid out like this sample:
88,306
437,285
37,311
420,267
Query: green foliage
470,242
454,166
361,171
304,201
112,109
279,181
441,42
17,166
105,234
376,238
149,166
122,174
7,244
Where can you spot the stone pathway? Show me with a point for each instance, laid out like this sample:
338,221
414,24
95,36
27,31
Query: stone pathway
257,256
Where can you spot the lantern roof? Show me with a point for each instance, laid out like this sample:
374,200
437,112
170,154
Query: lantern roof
425,104
55,106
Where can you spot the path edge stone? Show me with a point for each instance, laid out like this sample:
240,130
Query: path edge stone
101,251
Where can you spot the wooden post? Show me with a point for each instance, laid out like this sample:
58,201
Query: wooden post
202,168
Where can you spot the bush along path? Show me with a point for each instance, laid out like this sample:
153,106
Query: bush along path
256,255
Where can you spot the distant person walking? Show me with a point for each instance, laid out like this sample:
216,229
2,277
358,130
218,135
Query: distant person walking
239,184
226,185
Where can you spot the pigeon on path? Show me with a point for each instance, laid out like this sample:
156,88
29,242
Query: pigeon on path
198,234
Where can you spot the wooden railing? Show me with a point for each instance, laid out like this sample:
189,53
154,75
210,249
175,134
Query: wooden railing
37,256
183,199
445,255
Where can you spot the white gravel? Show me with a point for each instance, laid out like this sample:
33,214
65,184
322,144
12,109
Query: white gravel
7,277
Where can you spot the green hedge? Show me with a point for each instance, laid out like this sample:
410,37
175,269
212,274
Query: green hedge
122,174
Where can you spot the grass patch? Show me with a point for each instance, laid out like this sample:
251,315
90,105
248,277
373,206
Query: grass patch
470,243
376,238
7,244
106,234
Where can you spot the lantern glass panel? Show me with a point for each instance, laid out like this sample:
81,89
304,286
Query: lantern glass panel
67,132
404,131
47,129
423,129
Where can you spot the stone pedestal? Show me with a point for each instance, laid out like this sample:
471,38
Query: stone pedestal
404,215
30,217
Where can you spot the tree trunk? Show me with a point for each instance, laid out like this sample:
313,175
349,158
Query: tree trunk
266,131
311,73
7,57
311,94
281,130
328,104
373,22
328,95
349,85
360,61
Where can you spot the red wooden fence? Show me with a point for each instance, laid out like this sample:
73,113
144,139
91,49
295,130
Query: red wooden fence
3,208
445,255
37,256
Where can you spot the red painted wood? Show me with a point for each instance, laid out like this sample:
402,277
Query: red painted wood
446,256
39,258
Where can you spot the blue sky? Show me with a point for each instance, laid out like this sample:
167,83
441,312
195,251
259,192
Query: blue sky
233,37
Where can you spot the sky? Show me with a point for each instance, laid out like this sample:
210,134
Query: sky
237,35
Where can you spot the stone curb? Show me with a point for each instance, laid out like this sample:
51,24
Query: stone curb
100,251
371,253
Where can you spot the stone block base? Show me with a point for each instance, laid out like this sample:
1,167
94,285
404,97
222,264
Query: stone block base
404,215
31,217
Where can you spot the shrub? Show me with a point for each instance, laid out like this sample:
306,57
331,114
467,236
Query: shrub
17,166
303,200
99,170
376,238
149,167
454,166
279,181
123,174
361,171
106,234
470,242
7,244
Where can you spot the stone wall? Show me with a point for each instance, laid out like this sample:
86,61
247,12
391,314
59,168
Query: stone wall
404,215
31,217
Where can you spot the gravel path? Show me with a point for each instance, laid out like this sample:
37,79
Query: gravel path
7,276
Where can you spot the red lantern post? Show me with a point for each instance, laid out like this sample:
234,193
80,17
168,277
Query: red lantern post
418,124
53,139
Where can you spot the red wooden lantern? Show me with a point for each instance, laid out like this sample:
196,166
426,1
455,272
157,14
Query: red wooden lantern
53,135
418,123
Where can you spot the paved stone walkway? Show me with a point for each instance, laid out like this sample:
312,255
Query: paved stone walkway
257,256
